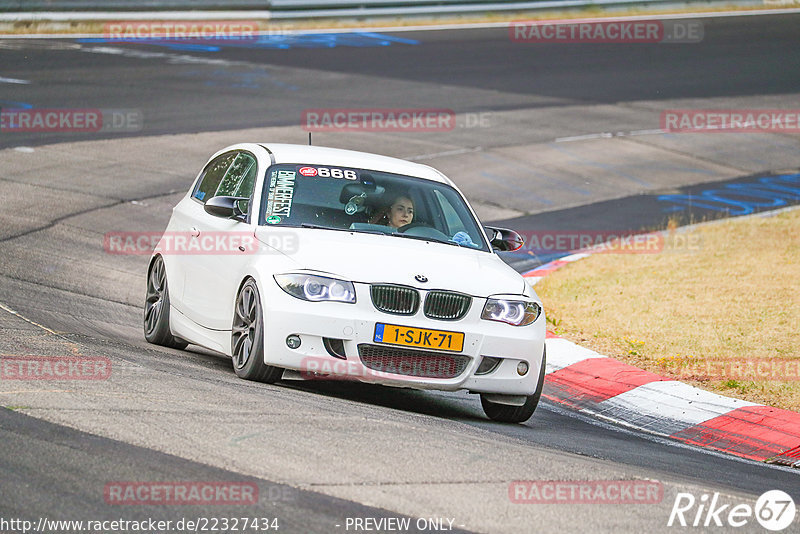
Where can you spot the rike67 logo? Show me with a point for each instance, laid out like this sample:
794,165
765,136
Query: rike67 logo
774,510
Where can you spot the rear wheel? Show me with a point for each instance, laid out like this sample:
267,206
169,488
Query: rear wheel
506,413
247,337
156,308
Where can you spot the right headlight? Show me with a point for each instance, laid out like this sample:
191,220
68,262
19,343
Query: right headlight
513,312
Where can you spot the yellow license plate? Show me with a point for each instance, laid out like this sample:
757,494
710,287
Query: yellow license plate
392,334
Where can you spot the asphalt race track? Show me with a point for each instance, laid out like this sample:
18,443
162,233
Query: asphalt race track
546,137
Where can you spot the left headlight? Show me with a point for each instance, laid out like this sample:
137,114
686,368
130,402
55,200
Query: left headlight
513,312
316,288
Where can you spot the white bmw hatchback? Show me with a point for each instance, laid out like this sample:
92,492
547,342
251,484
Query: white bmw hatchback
311,262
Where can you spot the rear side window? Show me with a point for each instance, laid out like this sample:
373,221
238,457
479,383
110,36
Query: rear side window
213,175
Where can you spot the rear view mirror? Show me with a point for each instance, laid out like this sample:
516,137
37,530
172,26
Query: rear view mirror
351,190
355,195
358,189
503,239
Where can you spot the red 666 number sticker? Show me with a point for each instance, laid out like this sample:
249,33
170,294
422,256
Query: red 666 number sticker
328,172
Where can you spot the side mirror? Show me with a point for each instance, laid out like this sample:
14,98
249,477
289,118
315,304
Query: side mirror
227,207
503,239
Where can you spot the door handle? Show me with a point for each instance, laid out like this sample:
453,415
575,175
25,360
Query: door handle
194,232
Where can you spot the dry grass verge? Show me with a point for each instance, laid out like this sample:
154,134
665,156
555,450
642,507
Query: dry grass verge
722,313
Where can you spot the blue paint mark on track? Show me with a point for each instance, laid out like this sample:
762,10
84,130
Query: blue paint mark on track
271,42
8,104
740,198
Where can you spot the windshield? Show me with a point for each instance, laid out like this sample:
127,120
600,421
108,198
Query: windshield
368,201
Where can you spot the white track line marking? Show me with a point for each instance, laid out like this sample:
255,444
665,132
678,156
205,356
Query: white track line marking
609,135
16,313
14,80
445,153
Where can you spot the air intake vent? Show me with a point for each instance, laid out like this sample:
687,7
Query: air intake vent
447,305
408,362
397,300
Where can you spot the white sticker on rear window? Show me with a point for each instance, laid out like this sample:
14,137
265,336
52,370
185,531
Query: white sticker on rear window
281,191
307,171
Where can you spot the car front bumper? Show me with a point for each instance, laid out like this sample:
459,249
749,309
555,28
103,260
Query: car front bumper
354,325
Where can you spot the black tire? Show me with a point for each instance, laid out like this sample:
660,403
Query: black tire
505,413
247,337
156,308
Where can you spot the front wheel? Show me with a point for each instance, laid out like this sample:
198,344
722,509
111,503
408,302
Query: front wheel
505,413
156,308
247,338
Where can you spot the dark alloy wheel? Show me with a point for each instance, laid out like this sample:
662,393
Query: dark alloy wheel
247,337
156,308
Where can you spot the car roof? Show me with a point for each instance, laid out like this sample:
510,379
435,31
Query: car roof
336,157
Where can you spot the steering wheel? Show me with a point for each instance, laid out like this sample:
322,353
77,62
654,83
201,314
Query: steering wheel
411,226
421,229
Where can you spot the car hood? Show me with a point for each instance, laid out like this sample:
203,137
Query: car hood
368,258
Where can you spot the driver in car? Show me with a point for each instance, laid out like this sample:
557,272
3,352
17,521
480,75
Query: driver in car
399,212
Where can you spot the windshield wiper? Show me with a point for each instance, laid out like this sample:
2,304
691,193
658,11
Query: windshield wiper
421,238
320,227
376,232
